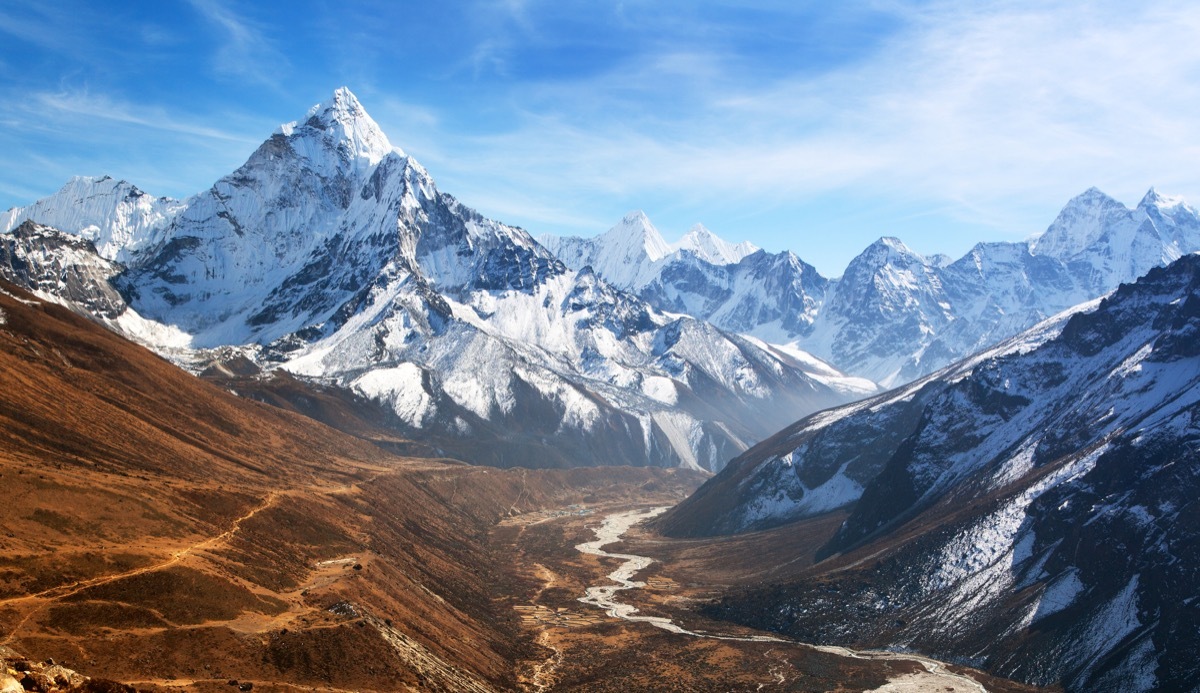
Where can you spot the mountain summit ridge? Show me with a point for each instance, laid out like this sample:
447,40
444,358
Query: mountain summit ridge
895,315
332,255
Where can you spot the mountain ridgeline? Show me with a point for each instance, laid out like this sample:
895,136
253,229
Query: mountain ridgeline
1031,510
1022,500
331,255
894,315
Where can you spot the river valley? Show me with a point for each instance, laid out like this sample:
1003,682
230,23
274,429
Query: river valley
620,620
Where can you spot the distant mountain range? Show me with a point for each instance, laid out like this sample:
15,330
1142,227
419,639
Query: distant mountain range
894,315
1023,500
331,254
1031,510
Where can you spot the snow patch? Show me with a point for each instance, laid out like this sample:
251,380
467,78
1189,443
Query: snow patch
1059,594
993,539
683,432
1016,466
1111,624
660,388
403,388
150,333
782,501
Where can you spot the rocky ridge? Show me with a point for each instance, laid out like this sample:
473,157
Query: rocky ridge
1029,510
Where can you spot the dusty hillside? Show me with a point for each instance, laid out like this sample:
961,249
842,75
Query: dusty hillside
159,530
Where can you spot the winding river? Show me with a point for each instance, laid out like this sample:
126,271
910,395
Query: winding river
605,597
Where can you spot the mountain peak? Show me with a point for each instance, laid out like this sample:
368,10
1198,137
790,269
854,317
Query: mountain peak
342,122
1093,197
343,107
889,247
344,99
635,216
635,233
711,248
1078,225
1153,198
887,255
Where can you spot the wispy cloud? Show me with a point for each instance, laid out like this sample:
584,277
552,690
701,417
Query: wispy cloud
562,116
245,51
46,26
82,103
974,108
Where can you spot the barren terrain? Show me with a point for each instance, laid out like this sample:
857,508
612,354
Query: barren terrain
587,650
159,531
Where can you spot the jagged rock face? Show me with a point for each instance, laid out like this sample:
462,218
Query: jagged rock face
117,217
1031,510
1105,243
896,316
315,207
53,263
333,255
19,674
775,297
888,296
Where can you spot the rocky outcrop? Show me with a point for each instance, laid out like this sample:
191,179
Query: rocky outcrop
19,674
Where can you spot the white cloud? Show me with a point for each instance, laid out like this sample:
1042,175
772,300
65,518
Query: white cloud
246,51
83,103
975,108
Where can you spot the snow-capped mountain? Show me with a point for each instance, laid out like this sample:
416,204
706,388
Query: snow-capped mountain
629,255
895,315
888,305
1110,243
710,248
1030,510
115,216
332,254
737,287
68,269
621,255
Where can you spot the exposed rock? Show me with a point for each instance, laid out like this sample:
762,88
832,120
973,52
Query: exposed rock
19,674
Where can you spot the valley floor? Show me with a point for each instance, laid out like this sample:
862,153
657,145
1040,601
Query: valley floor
421,576
586,649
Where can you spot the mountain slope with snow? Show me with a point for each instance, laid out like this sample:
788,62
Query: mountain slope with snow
331,254
942,312
895,316
737,287
1031,510
117,217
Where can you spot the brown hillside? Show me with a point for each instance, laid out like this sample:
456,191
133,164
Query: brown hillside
159,530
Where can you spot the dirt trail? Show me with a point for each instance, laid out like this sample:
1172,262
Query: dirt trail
543,672
176,556
45,597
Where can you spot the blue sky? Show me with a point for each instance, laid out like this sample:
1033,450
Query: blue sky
815,127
